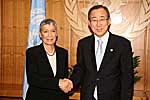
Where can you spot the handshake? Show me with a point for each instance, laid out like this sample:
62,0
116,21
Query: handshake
65,85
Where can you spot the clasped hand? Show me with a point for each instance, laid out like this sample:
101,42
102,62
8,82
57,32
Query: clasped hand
65,85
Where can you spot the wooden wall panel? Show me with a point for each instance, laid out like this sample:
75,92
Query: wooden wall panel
55,10
146,60
147,65
0,37
138,49
14,19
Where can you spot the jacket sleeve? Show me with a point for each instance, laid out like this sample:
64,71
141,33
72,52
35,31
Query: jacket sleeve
78,71
126,72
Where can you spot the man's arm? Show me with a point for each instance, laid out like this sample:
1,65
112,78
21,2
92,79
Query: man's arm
126,73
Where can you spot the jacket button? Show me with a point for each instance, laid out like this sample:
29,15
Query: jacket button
97,79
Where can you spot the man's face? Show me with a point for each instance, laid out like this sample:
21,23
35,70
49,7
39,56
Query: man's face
99,22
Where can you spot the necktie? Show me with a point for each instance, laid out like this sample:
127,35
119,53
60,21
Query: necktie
99,53
98,62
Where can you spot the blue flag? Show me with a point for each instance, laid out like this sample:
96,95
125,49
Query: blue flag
37,14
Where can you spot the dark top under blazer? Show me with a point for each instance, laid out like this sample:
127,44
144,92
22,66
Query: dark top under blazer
43,85
114,79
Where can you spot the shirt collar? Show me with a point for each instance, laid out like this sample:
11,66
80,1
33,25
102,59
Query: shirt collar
104,38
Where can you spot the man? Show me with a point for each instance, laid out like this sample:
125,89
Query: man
110,75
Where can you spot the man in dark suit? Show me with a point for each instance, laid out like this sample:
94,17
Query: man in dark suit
110,75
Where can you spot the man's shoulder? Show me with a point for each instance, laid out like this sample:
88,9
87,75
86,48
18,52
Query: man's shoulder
87,38
119,38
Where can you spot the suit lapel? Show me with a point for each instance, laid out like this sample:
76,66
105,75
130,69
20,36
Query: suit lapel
58,59
110,49
91,52
45,61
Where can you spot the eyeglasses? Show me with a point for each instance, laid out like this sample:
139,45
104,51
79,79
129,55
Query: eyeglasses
99,20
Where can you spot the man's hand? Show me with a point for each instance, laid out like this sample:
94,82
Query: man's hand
65,85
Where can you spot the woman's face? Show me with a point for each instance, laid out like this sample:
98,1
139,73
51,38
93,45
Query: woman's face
48,34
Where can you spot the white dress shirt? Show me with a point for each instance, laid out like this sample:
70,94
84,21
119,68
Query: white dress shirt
104,40
52,61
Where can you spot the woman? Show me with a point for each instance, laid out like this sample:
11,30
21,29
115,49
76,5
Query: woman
47,65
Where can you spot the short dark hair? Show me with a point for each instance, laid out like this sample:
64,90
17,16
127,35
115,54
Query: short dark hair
97,7
47,21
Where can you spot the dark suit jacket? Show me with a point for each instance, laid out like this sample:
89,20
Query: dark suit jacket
43,85
114,79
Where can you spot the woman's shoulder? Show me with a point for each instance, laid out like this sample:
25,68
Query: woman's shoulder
34,48
61,49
